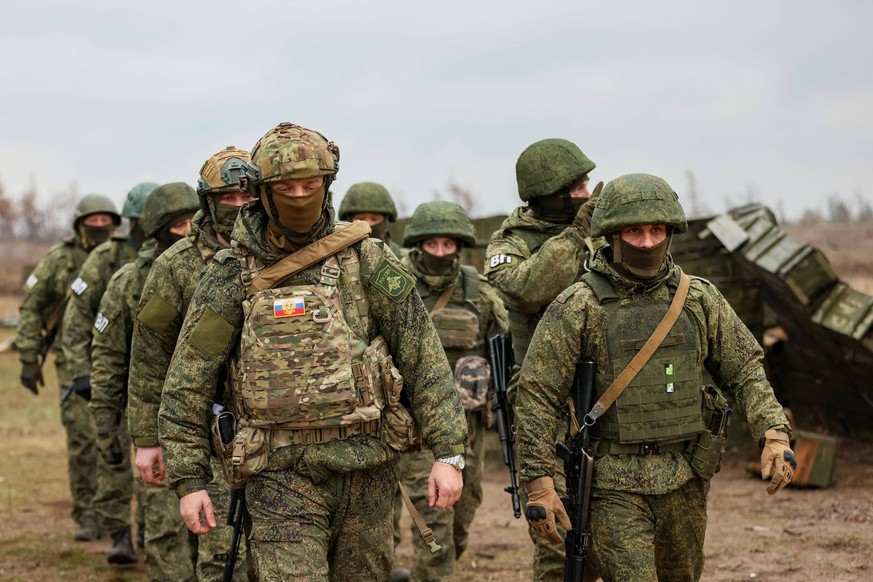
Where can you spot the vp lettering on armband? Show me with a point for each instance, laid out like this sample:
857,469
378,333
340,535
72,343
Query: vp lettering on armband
498,260
100,322
79,286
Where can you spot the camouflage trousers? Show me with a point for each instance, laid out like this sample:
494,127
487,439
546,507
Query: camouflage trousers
337,529
174,553
649,537
81,447
451,527
548,560
115,489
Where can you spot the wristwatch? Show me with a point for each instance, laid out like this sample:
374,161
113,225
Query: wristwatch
456,461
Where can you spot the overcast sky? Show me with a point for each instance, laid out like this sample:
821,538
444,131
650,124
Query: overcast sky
766,99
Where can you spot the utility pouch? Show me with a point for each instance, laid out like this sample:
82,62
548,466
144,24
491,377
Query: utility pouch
223,432
398,427
472,380
709,449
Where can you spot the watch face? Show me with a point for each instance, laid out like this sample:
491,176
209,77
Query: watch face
461,462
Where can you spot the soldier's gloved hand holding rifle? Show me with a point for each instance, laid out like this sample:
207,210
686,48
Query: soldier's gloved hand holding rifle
777,459
31,376
543,505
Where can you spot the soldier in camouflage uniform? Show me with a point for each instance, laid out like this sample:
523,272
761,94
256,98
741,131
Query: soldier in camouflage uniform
316,324
648,512
539,251
111,503
41,315
371,202
166,218
168,290
466,311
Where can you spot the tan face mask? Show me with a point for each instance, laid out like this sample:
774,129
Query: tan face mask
295,218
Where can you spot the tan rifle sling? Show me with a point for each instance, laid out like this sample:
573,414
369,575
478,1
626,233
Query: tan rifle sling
636,364
423,530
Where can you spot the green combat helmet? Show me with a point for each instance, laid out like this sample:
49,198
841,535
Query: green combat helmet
550,166
367,197
136,198
635,199
165,204
439,218
95,204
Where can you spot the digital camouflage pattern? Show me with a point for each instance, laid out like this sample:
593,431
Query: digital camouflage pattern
95,204
550,166
46,288
88,287
474,297
110,351
530,262
168,289
346,477
439,218
574,327
167,203
635,199
367,197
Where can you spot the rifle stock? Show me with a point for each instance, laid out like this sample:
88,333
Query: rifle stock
500,349
578,460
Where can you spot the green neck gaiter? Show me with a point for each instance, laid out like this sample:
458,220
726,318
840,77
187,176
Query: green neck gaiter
643,264
428,264
380,231
94,235
223,218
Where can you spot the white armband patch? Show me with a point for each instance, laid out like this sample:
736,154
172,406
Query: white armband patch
31,281
101,322
79,285
499,260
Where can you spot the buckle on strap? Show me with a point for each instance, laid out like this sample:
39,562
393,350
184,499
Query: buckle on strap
650,448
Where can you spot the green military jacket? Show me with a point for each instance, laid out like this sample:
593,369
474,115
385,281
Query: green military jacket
483,302
111,346
88,288
573,328
47,287
165,298
530,261
210,336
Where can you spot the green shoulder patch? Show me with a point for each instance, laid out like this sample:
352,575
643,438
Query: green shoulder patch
392,280
157,314
212,334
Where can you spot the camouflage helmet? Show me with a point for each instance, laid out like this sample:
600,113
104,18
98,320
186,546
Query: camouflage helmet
95,204
548,167
289,152
367,197
635,199
165,203
439,218
222,172
136,198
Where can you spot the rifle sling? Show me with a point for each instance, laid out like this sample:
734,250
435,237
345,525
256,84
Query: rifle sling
443,299
308,256
636,364
423,530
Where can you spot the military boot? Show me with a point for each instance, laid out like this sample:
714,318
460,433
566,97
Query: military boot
122,550
88,528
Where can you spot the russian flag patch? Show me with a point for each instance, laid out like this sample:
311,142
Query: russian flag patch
289,307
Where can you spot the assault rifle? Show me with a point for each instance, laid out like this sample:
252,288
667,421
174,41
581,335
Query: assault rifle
236,511
502,361
578,460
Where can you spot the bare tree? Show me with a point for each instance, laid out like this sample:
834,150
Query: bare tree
462,196
7,214
865,210
838,210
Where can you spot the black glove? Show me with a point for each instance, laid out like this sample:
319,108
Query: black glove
82,387
31,376
109,447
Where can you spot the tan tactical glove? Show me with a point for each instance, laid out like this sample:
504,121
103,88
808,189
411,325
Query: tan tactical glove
31,377
583,215
543,504
777,459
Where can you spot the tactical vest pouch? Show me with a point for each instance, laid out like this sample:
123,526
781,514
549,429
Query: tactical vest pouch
706,455
246,455
472,379
457,328
399,430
